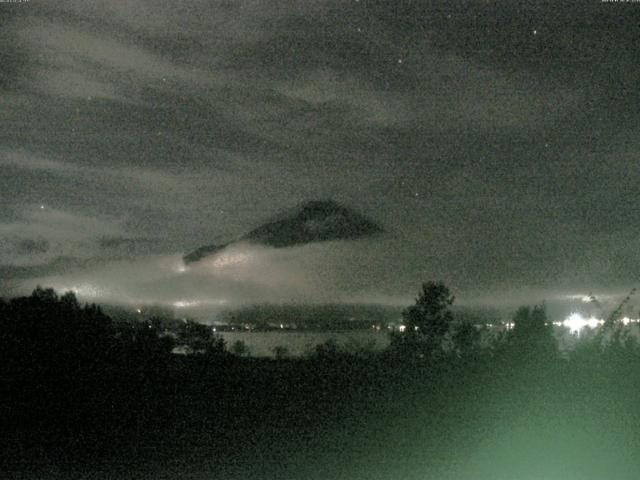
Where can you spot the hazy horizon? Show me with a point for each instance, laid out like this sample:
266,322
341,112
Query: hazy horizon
495,144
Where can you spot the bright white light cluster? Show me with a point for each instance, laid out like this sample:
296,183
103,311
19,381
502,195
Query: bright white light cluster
576,322
627,320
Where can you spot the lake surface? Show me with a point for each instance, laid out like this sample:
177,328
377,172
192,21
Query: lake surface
298,343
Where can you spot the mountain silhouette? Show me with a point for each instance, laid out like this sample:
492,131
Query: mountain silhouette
312,221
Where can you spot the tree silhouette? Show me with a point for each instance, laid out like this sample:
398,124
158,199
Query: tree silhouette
328,350
199,338
240,348
532,334
427,322
280,352
466,340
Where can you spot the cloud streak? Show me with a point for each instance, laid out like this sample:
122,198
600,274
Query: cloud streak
491,153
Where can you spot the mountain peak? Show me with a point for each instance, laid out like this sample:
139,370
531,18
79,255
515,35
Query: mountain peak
309,222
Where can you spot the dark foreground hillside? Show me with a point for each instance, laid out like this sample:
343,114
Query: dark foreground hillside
82,398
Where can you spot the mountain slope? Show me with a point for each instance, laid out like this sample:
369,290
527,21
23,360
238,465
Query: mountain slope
312,221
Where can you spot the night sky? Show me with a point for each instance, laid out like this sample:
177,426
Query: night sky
495,142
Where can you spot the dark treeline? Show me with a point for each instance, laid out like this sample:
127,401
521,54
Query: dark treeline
310,317
82,392
331,317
